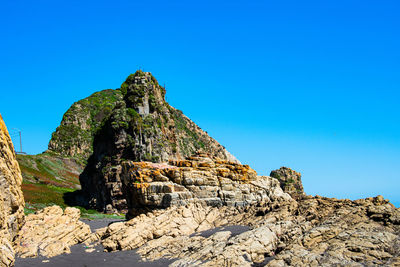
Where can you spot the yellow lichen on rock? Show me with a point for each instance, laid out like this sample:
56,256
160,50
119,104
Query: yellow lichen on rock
199,178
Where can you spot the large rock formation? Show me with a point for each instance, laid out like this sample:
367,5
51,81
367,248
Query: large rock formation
11,198
199,178
141,127
50,232
290,181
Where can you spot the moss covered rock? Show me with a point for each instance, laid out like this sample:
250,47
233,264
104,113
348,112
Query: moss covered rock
74,136
290,181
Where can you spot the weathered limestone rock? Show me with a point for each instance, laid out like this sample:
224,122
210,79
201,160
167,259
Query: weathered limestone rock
11,197
198,178
290,181
50,232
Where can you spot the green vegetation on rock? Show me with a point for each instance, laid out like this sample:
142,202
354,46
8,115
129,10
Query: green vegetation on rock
74,136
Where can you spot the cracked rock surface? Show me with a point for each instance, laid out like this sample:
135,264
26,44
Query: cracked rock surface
11,197
200,178
50,232
313,231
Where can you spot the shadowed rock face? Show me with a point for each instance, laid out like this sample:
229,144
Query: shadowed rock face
141,127
199,178
290,181
11,198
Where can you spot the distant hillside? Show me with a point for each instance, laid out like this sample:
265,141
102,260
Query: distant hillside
46,177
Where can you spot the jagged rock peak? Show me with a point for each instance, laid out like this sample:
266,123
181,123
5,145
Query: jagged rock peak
140,101
143,93
141,127
290,181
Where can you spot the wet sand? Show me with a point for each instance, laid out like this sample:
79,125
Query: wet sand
79,257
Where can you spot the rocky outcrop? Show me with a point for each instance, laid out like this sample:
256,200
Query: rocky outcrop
313,231
172,232
74,137
343,233
199,193
11,198
222,248
141,127
290,181
199,178
50,232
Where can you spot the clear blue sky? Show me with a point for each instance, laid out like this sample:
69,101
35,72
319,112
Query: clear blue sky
312,85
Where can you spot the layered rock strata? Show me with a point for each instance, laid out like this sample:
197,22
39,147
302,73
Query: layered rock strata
11,197
50,232
199,178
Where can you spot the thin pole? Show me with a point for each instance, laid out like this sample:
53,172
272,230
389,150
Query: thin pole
20,141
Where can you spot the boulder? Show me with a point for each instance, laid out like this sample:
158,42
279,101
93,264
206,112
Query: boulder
173,222
50,232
